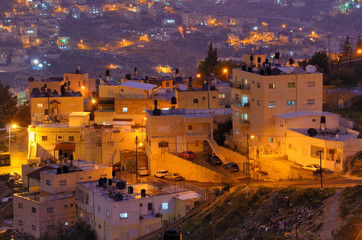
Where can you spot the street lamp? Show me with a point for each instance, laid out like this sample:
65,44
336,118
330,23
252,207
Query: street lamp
226,73
12,126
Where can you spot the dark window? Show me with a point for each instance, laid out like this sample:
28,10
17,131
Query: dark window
33,209
44,138
21,223
71,138
258,85
150,206
196,100
50,210
20,205
189,127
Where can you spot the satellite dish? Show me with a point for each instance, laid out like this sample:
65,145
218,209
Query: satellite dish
310,69
288,70
312,132
183,87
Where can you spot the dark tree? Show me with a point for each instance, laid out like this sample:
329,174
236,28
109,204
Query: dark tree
221,130
347,48
207,66
7,105
321,61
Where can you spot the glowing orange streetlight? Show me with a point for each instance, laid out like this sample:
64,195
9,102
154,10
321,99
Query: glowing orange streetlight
359,51
198,75
83,87
94,101
284,26
226,73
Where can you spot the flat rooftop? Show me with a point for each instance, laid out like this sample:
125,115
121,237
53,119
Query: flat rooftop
190,113
76,166
154,188
331,135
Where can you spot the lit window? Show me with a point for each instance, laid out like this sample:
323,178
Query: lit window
125,109
291,85
271,85
310,101
144,109
165,109
291,102
108,213
237,131
123,215
221,95
40,106
311,84
258,102
164,206
272,104
271,140
66,224
237,114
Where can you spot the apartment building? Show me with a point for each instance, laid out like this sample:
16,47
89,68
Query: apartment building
47,105
283,111
54,206
118,211
176,130
194,98
257,98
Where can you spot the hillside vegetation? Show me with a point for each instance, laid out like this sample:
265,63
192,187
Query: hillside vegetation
6,5
267,213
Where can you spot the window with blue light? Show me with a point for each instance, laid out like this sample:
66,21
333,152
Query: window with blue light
164,206
123,215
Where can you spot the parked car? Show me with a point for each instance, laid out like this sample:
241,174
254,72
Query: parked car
325,170
214,160
187,154
142,171
231,166
161,173
172,234
313,167
174,177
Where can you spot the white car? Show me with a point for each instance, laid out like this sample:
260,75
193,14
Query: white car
313,167
161,173
142,171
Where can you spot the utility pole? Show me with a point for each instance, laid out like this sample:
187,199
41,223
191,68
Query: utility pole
296,224
320,168
247,159
136,158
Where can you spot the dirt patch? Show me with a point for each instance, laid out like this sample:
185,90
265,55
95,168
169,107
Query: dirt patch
331,220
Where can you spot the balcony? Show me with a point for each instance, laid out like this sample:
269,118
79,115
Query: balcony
240,85
241,122
241,104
